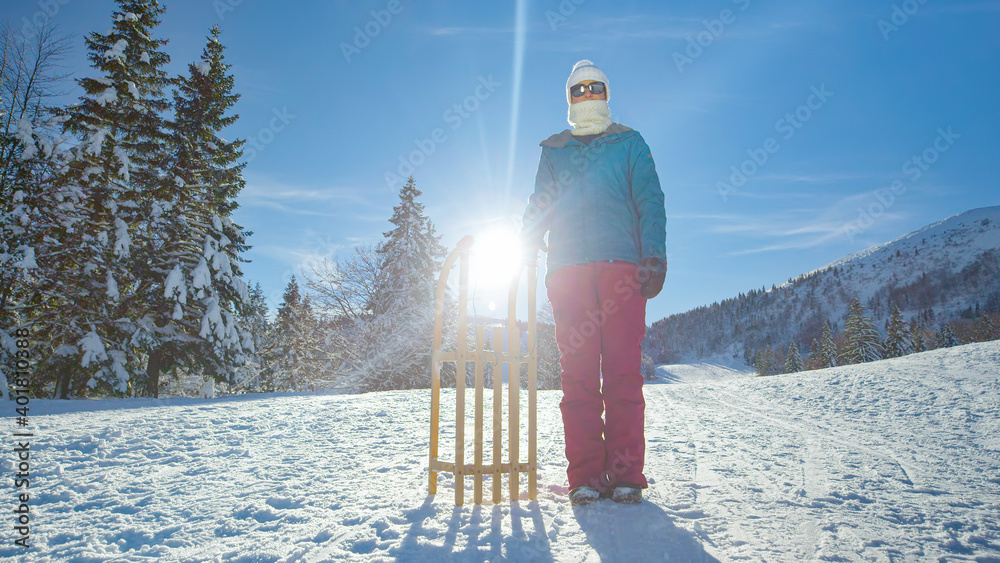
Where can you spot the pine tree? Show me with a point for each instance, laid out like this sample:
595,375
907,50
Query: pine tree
35,222
397,334
117,164
254,319
862,340
764,361
917,339
294,359
32,209
986,329
946,337
196,290
793,362
813,359
412,253
828,347
897,336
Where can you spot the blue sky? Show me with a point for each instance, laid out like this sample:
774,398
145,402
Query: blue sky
824,106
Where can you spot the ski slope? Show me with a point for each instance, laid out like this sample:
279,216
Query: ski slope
897,460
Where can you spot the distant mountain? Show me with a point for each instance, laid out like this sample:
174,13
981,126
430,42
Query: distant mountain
936,274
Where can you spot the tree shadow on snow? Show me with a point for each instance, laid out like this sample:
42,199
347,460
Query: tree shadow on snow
484,536
641,532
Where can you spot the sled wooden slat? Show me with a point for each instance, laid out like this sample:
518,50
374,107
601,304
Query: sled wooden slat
497,414
470,469
498,357
480,368
532,391
513,387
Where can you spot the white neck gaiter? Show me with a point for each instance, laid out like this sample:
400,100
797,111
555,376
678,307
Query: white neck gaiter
589,117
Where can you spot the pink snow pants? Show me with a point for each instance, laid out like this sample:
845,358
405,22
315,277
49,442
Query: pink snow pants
600,322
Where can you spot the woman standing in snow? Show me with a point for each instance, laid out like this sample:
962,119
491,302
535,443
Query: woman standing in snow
598,196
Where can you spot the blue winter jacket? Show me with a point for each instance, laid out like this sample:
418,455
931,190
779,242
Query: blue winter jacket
598,201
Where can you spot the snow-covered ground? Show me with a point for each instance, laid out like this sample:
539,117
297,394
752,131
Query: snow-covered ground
897,460
717,370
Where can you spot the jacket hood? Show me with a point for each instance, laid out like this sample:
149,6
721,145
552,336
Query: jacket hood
560,140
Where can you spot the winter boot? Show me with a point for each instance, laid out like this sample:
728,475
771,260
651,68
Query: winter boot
584,495
627,493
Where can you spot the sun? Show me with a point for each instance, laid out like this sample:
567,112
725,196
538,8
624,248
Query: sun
496,258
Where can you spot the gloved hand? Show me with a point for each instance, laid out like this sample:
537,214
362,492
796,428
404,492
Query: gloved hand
530,245
651,275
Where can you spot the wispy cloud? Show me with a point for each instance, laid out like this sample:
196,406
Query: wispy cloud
783,232
289,255
821,178
810,226
297,200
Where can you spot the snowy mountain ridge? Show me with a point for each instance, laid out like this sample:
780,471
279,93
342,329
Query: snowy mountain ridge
952,243
935,273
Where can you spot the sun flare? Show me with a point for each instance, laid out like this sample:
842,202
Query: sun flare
496,258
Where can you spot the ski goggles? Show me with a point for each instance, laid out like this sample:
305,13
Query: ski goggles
596,88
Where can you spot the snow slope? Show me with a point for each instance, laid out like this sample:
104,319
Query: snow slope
895,460
711,370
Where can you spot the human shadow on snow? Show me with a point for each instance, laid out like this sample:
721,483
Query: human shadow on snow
485,540
641,532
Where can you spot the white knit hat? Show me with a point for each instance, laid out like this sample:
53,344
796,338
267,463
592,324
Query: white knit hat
586,70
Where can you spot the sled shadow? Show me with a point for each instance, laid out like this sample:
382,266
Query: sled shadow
642,532
482,528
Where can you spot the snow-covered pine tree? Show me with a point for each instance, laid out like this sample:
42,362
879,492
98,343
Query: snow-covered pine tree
862,340
919,342
34,211
828,347
295,358
254,319
764,361
793,362
897,336
34,224
946,336
117,164
196,291
812,359
397,337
